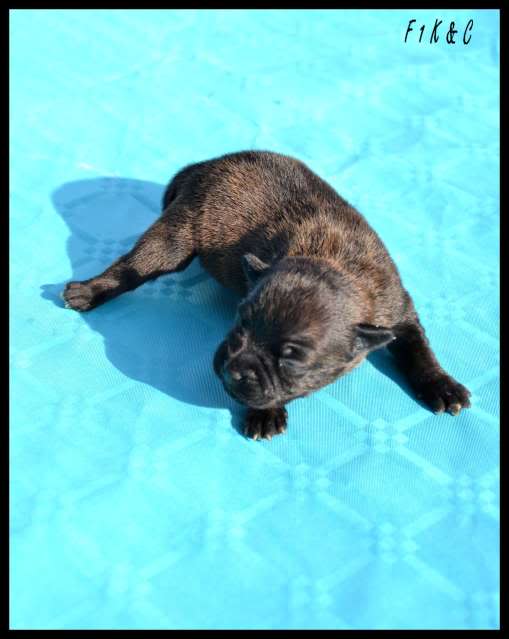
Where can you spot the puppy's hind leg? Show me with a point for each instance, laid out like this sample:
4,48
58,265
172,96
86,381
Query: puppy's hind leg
166,247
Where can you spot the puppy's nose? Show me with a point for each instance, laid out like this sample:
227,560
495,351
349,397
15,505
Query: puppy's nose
235,373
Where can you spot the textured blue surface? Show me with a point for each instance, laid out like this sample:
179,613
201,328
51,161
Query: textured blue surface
134,501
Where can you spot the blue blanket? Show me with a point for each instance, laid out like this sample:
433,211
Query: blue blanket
134,500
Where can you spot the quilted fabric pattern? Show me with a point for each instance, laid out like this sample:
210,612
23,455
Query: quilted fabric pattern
135,502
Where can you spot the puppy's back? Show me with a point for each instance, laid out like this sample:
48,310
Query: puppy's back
271,205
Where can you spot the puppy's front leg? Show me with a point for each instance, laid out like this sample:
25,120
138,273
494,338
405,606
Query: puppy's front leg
265,423
428,379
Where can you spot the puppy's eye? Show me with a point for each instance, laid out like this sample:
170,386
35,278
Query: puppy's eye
288,351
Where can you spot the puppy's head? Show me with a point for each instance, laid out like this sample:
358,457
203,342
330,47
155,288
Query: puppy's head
296,331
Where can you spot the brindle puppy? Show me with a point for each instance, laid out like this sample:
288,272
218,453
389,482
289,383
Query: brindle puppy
319,288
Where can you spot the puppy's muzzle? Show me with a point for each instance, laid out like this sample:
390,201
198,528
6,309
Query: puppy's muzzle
241,371
238,370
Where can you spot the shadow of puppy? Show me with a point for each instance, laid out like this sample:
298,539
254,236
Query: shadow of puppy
165,332
383,361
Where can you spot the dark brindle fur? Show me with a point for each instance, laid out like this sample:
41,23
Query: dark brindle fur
319,288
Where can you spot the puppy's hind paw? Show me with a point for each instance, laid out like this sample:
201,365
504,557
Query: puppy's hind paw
79,296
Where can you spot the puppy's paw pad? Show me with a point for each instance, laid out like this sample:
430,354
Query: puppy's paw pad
442,393
264,424
79,296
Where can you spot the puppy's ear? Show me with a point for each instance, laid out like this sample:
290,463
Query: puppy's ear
369,338
253,267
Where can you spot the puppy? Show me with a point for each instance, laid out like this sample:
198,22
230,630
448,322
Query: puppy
319,288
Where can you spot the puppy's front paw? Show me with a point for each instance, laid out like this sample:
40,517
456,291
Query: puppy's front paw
264,424
443,393
79,296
